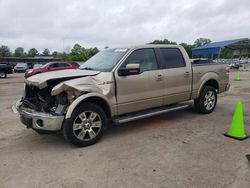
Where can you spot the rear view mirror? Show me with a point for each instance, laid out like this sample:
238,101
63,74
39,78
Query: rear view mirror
130,69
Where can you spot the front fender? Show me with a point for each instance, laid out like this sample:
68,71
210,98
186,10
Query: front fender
83,97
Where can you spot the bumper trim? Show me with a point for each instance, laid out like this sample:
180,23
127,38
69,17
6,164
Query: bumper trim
38,120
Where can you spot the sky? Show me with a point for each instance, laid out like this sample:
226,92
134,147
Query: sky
59,24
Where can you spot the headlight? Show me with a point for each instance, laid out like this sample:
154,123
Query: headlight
30,71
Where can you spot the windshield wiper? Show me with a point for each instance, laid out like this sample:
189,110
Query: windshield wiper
86,68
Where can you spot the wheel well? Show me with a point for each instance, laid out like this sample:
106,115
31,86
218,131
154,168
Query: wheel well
212,83
100,102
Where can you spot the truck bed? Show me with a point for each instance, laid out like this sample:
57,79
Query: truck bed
203,70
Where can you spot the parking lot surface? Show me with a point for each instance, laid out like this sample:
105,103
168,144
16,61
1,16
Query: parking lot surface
179,149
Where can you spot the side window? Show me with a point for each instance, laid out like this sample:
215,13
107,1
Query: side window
172,58
145,58
75,64
63,65
54,65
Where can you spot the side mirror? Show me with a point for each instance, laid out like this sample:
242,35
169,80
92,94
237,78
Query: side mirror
130,69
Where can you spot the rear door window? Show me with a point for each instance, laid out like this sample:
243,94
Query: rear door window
172,58
53,65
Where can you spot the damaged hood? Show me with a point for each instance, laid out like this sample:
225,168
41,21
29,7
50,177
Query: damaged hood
40,80
102,83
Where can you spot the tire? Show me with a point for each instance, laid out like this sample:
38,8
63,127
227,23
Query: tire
86,125
207,100
3,74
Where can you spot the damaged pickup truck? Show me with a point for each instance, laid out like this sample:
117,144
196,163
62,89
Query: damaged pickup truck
117,86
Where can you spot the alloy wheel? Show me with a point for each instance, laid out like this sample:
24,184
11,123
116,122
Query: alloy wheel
87,125
209,100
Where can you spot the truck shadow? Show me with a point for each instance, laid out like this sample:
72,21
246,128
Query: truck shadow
57,142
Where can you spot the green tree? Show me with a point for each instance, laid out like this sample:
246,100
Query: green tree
25,54
188,48
201,41
32,52
77,53
19,52
5,51
46,52
77,49
226,53
94,51
90,52
164,41
65,56
55,54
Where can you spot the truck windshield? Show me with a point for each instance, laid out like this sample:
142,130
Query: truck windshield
104,60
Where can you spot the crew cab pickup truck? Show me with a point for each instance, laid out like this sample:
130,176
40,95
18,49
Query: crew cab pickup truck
5,68
118,85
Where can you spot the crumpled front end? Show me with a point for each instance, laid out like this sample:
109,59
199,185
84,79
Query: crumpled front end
102,83
39,121
41,111
44,108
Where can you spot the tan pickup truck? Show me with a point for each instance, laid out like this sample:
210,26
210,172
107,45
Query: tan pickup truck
119,85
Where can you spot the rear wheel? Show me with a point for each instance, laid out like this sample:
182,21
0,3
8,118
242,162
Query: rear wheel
86,125
3,74
207,100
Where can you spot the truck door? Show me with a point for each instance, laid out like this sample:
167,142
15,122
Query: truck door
140,91
177,75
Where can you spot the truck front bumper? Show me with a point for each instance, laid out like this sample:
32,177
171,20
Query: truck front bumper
39,121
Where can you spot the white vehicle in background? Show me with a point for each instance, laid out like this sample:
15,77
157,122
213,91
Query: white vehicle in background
37,66
21,67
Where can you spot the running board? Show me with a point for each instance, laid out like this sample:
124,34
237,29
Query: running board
147,114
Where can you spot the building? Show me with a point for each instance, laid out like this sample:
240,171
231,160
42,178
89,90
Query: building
240,48
29,60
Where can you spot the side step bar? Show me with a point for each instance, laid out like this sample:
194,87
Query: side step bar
146,114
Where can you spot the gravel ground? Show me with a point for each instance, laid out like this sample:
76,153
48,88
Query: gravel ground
179,149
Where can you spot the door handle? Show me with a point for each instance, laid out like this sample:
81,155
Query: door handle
186,74
158,77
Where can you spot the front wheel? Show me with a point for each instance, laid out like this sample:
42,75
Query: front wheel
86,125
207,100
3,74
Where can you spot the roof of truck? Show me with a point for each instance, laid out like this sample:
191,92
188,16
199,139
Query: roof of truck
148,46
